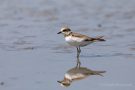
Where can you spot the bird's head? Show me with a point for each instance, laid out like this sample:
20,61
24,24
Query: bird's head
65,31
65,83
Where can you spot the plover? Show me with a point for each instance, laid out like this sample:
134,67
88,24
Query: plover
74,74
78,40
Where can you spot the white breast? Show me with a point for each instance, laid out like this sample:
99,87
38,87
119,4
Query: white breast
75,76
74,41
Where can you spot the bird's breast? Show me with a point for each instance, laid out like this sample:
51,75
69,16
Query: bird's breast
74,41
75,76
77,41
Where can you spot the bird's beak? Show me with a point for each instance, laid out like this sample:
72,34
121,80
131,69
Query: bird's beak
59,32
59,81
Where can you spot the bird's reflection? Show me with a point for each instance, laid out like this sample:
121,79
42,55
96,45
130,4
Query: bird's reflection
78,73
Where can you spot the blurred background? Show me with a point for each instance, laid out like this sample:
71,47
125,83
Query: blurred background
33,56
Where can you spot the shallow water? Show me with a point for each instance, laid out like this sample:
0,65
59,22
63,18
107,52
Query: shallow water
33,56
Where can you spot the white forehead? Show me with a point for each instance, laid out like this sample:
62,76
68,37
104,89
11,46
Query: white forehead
63,28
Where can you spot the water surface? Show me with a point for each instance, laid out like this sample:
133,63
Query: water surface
33,56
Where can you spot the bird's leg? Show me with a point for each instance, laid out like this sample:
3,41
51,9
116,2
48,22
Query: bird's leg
78,63
77,52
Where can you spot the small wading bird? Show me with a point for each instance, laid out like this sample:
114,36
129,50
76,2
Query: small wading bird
77,74
78,40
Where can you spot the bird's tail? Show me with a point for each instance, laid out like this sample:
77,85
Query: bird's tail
99,72
99,38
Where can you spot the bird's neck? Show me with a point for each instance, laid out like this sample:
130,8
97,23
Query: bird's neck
67,80
67,34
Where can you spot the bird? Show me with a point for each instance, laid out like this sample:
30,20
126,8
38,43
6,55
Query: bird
78,40
75,74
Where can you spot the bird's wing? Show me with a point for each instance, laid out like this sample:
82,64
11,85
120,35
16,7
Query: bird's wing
87,38
80,35
99,38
